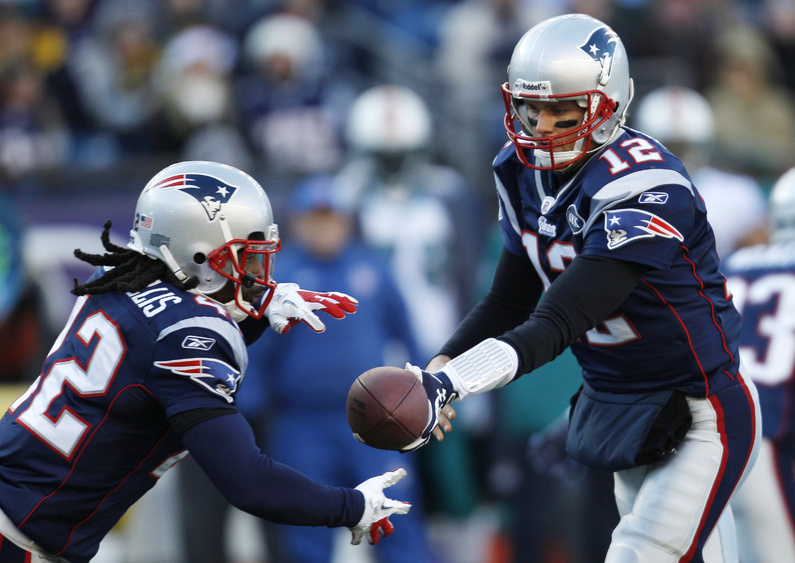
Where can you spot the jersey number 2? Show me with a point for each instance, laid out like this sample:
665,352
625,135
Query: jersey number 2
611,332
64,430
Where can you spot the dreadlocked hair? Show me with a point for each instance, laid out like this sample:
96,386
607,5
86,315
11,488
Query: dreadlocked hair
130,272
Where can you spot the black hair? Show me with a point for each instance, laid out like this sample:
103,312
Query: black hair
131,271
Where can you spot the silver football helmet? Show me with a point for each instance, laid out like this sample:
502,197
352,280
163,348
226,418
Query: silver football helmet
209,220
782,208
570,57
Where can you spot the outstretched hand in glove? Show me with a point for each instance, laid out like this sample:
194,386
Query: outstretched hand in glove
291,305
378,508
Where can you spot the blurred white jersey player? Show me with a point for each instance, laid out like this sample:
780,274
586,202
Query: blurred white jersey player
683,120
408,205
762,280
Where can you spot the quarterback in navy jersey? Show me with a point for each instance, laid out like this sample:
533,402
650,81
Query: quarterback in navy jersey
146,371
607,249
762,282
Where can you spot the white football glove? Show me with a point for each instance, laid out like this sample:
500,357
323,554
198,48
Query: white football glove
377,508
291,305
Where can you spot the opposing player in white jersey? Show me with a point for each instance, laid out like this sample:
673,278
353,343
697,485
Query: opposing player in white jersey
147,369
607,224
762,281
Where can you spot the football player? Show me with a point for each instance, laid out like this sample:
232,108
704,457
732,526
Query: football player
146,371
607,224
762,281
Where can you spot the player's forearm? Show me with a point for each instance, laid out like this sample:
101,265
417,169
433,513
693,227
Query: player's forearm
514,293
225,449
586,293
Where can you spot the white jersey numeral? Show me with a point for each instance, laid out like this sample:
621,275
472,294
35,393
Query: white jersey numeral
639,149
63,430
559,255
776,364
611,332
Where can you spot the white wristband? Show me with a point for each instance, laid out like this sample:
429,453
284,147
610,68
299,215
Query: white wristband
489,365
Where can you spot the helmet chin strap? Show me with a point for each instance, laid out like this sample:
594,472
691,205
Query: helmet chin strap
561,157
234,311
231,306
172,264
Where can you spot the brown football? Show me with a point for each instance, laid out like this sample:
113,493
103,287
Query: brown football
387,408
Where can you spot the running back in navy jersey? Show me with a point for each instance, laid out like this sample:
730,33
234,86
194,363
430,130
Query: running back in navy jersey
762,282
99,409
633,201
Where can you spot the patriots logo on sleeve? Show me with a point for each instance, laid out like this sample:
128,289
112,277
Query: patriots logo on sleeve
215,375
208,190
625,225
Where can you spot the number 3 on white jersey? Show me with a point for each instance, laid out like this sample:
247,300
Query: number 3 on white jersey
64,432
611,332
774,363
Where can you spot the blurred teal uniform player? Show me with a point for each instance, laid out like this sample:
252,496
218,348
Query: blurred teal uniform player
301,390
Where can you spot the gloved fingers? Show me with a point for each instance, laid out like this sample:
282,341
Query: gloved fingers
282,324
313,321
302,314
391,506
415,370
391,477
382,527
334,303
279,323
330,308
356,535
346,302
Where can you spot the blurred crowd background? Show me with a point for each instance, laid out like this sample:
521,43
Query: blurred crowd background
395,106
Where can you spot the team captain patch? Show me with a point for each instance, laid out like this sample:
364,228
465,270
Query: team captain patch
625,225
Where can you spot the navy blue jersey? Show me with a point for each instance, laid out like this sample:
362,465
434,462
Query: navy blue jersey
762,282
632,201
91,435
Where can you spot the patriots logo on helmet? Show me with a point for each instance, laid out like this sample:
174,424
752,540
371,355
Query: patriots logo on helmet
208,190
625,225
215,375
601,47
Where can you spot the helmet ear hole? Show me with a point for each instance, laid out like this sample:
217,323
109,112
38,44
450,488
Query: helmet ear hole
199,258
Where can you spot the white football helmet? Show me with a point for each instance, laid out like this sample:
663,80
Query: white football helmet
389,119
570,57
208,220
782,208
675,114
